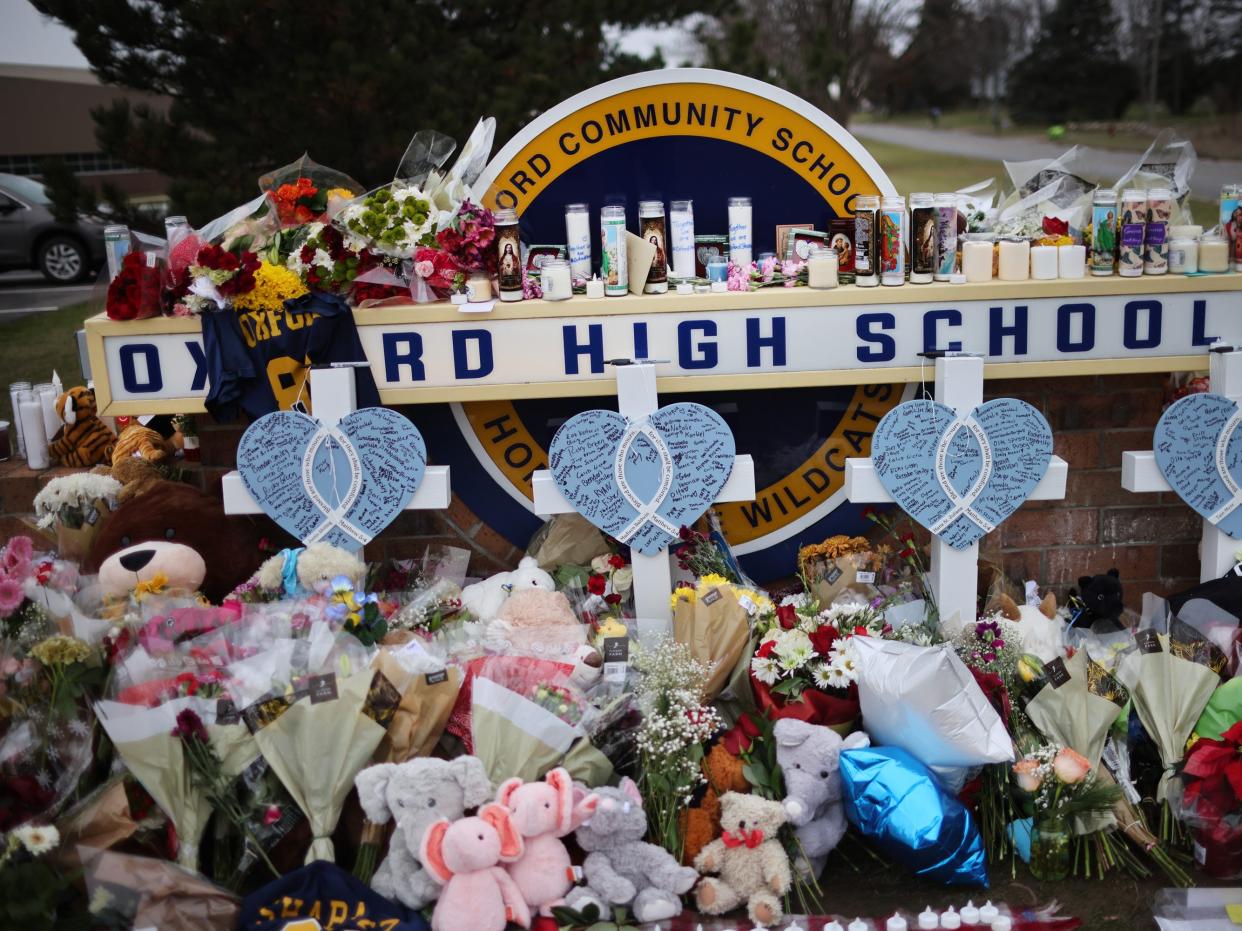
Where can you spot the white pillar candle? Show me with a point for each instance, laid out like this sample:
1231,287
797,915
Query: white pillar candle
681,234
47,395
555,281
1015,260
1072,261
578,238
30,411
821,268
14,390
741,232
977,260
1043,263
1184,256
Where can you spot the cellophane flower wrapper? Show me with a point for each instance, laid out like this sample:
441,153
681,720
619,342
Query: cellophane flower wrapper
1213,608
428,689
143,892
1052,215
137,291
100,821
306,192
977,202
426,155
1078,709
1169,162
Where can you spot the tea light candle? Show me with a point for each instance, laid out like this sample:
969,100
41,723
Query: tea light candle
821,269
685,287
858,925
928,919
1002,923
578,236
478,288
1072,261
30,412
1213,254
718,272
977,260
970,914
950,919
1015,260
555,281
740,230
834,925
896,923
1043,263
988,913
595,287
1183,256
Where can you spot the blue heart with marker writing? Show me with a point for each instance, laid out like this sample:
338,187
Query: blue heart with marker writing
341,487
641,481
961,486
1198,447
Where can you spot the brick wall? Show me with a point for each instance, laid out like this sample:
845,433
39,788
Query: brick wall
1151,538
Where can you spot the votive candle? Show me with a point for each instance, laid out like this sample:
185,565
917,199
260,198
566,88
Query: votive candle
1072,261
821,268
1043,263
1015,260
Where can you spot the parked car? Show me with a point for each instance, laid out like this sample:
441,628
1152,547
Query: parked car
30,237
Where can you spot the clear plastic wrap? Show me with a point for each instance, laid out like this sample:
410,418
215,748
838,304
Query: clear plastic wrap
137,291
306,192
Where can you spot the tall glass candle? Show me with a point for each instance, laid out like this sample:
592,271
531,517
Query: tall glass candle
30,411
578,234
1231,220
924,238
508,256
741,231
866,214
891,240
1155,239
47,395
651,228
1103,232
614,263
14,390
1133,229
681,232
116,247
946,248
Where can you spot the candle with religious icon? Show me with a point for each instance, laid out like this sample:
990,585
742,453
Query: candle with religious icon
741,231
1231,220
508,256
1133,229
681,235
652,229
614,263
866,211
1103,232
890,238
924,238
578,234
1155,240
946,242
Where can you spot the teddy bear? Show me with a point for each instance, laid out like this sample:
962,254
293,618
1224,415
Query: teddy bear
621,868
177,533
543,813
465,857
809,758
417,793
751,865
700,820
1100,605
485,599
84,440
537,621
306,569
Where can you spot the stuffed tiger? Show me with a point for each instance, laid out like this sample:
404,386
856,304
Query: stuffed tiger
139,442
84,440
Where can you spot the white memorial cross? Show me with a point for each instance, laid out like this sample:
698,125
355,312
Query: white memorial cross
653,577
954,573
1139,471
335,398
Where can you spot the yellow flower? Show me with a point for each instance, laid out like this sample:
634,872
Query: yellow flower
710,581
153,586
682,594
60,650
273,285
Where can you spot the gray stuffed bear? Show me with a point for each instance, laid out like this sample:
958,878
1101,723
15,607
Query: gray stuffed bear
809,758
417,793
622,869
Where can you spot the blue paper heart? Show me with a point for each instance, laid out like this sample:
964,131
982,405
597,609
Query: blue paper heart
341,487
915,458
1199,461
672,466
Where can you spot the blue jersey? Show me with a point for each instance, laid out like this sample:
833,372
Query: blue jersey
258,361
325,894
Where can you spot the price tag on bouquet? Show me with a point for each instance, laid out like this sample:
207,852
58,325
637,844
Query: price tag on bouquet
616,658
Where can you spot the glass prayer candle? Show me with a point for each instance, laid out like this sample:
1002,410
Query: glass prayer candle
741,231
578,239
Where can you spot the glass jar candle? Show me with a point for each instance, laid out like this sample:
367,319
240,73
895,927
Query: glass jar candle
47,395
1183,256
1103,232
1043,263
977,257
478,288
741,231
1015,260
1133,231
866,213
1213,254
946,249
1072,261
891,240
614,260
652,229
30,412
681,232
924,238
578,239
508,256
14,389
555,280
116,247
821,268
718,272
1155,238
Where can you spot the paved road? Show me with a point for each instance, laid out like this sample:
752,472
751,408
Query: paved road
1209,176
25,293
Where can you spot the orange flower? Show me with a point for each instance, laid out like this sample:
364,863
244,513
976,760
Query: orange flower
1070,766
1028,775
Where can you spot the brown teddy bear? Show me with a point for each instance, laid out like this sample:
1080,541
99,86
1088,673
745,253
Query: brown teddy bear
751,865
700,821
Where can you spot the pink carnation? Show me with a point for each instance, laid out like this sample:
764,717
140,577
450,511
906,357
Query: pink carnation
424,269
21,547
11,596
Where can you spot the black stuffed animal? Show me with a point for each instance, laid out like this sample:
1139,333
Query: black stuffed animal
1100,605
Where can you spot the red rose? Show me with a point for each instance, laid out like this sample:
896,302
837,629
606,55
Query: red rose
787,616
860,632
824,638
597,584
1055,227
766,649
616,561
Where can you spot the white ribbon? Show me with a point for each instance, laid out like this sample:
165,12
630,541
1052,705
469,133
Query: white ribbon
334,515
646,509
1222,469
963,504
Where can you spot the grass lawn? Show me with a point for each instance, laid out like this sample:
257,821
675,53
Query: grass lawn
32,346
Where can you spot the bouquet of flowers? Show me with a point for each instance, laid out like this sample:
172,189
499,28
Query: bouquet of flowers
767,273
214,279
75,504
1212,801
713,620
137,291
304,191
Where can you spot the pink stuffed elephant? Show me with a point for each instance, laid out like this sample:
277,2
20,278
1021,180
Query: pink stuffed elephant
465,856
543,813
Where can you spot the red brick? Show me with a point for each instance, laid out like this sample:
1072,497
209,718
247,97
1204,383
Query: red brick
1158,525
1080,448
1030,528
415,547
1020,565
1102,487
459,513
1072,410
492,543
1064,565
1179,560
412,524
1115,442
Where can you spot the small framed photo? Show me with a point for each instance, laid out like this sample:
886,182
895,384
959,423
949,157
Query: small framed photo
802,241
538,254
782,236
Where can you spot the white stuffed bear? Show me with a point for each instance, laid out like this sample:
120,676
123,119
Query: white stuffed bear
485,599
302,571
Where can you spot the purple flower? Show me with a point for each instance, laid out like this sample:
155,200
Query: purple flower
984,628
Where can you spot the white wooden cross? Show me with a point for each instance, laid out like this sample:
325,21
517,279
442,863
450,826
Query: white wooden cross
335,398
954,573
653,577
1139,471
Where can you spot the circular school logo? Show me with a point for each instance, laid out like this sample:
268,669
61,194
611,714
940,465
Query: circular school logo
703,136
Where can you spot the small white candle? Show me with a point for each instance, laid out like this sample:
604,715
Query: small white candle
1184,256
1043,263
595,288
977,260
821,269
30,410
1002,923
1015,260
681,234
857,925
896,923
555,281
741,232
1213,254
970,914
950,919
578,237
479,288
15,390
1072,261
988,913
834,925
928,918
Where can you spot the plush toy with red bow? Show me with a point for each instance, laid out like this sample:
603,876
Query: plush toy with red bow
751,865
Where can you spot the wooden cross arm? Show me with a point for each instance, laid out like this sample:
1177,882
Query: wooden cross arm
1139,472
434,492
739,487
863,485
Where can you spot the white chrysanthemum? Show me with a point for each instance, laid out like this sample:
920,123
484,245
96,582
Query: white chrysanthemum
295,264
842,663
76,491
792,641
821,675
766,669
800,600
838,678
38,839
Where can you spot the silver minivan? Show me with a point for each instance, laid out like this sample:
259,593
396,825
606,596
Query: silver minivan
30,237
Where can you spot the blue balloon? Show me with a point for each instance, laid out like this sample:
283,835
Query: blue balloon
896,802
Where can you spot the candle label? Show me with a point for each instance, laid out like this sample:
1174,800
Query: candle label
613,264
1231,219
1156,254
578,232
946,262
841,238
1103,238
681,225
864,242
1133,228
653,232
892,252
925,222
508,258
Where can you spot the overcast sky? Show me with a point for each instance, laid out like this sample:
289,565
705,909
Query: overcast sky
27,38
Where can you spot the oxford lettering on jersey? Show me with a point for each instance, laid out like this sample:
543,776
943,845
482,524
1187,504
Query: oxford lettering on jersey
864,339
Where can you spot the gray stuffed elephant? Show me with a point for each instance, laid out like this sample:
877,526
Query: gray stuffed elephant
417,794
809,757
